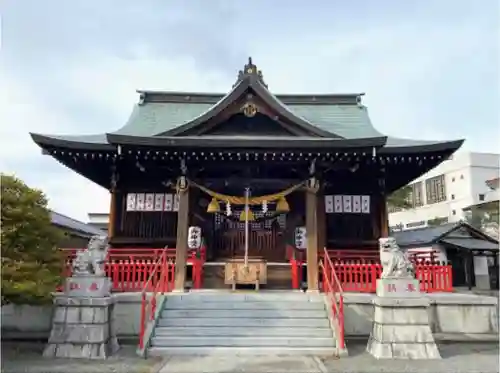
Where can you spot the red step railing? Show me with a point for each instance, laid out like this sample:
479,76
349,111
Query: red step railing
161,280
335,295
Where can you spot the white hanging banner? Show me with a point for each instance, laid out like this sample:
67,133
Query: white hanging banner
131,201
337,204
328,204
356,204
347,203
176,202
365,204
169,202
194,237
150,202
301,238
141,200
159,200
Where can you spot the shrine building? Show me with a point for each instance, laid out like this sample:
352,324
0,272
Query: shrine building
312,168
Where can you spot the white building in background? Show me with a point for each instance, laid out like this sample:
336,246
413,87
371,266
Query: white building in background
99,220
446,190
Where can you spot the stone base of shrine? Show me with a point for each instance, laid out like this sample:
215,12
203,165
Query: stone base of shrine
82,328
401,327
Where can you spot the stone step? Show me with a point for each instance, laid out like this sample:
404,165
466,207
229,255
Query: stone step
163,341
196,305
240,331
255,313
253,351
245,297
246,322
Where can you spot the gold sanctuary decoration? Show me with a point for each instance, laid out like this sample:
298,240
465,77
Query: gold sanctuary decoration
247,216
249,109
282,205
213,206
279,198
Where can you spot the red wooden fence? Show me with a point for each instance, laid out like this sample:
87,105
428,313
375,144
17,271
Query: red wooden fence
130,268
358,270
362,278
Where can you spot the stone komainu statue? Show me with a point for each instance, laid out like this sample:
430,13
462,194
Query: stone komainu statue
91,261
395,263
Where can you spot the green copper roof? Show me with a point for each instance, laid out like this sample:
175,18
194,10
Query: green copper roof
177,114
349,121
153,118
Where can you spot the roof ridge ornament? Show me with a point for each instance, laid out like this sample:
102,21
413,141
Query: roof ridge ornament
250,71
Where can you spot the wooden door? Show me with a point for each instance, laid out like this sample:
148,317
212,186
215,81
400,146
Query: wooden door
266,236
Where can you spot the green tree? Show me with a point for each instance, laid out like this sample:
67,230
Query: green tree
400,199
31,260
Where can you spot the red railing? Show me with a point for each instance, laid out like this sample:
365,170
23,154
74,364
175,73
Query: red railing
362,278
197,258
161,280
296,265
373,256
333,289
358,270
130,268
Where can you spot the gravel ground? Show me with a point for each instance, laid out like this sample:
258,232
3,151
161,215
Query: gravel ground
457,358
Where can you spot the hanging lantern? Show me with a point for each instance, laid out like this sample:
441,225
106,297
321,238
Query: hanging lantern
264,207
251,217
282,205
228,209
213,206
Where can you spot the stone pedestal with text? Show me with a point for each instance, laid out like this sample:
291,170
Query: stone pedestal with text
401,322
82,325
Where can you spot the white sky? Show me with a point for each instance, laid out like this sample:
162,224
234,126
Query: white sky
430,69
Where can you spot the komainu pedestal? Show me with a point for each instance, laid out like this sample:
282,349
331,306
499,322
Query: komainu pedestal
401,327
82,326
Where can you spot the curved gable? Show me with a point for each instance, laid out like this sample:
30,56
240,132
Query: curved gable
249,91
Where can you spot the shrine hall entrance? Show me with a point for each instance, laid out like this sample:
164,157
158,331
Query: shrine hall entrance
270,233
265,236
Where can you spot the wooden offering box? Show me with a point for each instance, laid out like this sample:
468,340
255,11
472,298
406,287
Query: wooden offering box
254,274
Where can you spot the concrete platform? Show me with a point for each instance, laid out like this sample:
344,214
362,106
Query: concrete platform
453,316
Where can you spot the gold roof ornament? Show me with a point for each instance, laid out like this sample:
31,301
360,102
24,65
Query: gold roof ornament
250,71
249,109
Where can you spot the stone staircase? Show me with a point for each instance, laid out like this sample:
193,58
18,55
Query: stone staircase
281,322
